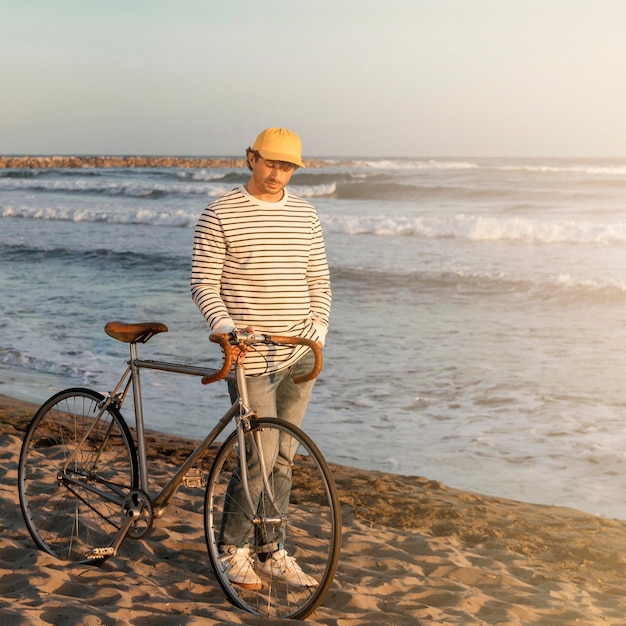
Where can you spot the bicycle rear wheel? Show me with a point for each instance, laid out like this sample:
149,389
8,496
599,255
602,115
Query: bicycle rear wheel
77,464
308,526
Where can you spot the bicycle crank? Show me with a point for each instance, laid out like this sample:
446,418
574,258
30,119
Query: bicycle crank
138,507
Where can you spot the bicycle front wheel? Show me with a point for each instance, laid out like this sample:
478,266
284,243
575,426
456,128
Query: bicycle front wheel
296,520
77,464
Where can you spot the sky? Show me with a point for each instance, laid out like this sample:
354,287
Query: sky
437,78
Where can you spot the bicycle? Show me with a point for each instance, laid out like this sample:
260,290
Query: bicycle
84,482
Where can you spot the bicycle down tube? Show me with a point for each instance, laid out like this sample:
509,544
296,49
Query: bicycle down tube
239,408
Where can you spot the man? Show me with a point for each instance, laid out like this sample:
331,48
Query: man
259,264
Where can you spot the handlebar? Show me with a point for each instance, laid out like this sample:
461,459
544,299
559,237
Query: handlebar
226,341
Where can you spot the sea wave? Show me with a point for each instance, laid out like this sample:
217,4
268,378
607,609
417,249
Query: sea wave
415,164
545,166
416,192
315,191
613,170
463,183
121,260
480,228
110,187
543,286
461,226
236,178
352,188
187,184
14,358
130,216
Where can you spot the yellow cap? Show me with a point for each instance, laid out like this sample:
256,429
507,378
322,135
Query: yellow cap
279,144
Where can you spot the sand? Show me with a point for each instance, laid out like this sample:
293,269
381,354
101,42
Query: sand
415,551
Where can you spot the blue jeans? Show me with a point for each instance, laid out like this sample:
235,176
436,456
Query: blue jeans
272,395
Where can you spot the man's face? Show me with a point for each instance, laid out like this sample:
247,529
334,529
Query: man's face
269,178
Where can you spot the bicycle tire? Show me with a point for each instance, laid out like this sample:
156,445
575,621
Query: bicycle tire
72,508
311,527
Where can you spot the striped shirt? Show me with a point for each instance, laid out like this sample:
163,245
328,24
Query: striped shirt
262,264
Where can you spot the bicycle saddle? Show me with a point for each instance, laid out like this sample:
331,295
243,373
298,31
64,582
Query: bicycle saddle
133,333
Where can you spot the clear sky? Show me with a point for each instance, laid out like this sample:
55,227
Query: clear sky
352,77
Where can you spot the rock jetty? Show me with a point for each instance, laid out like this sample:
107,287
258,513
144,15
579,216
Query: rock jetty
43,162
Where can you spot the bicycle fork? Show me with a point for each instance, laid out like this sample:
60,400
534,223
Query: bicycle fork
243,427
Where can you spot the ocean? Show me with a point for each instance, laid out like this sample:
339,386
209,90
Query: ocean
478,325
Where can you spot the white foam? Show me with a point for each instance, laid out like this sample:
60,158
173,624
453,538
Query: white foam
411,164
132,188
314,191
480,228
617,170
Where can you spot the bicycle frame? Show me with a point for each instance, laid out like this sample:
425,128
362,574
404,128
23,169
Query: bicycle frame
240,410
269,496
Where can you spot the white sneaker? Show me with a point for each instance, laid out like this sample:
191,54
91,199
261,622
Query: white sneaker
239,568
279,565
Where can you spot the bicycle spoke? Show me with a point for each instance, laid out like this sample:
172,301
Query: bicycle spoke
74,470
296,516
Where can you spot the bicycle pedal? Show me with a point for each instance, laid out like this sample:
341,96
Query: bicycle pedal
99,553
194,479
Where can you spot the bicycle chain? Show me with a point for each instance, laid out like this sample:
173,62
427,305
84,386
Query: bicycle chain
134,532
145,497
90,506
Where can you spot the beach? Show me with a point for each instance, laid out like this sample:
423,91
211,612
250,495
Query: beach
415,551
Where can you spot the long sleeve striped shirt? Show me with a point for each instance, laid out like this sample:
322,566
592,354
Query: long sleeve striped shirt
262,264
